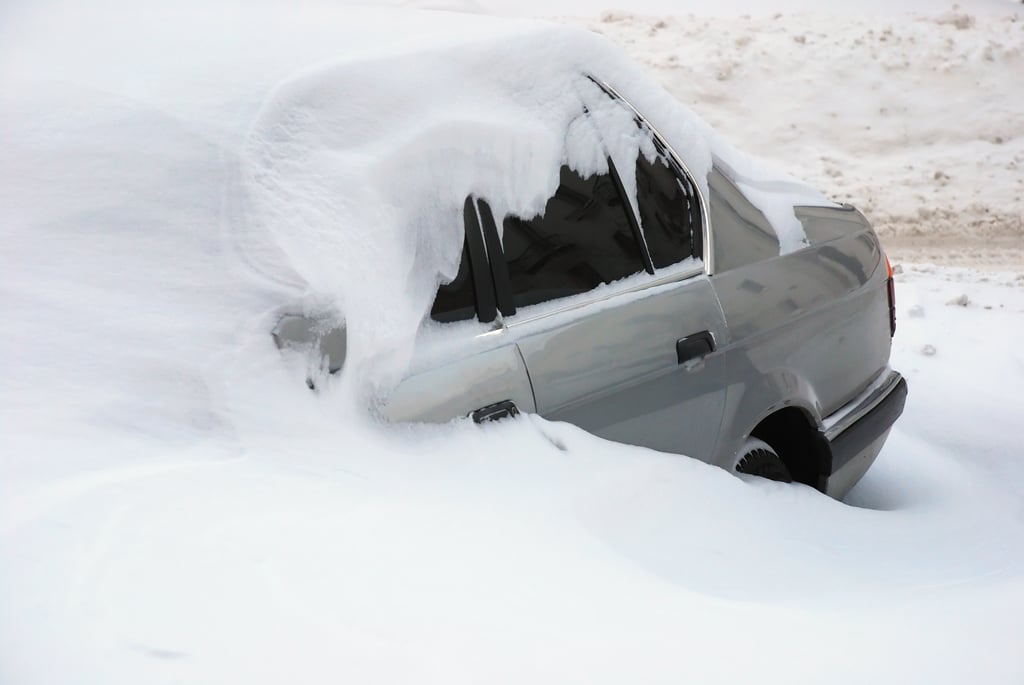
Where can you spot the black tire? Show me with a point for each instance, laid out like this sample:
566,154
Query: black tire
757,458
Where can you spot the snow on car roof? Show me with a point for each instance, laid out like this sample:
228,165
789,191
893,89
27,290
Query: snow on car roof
335,149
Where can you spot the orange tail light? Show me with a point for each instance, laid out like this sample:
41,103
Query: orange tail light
890,286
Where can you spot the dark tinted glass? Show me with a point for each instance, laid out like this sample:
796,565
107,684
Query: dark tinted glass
456,301
581,241
669,213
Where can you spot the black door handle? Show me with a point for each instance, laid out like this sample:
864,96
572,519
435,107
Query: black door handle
493,412
694,346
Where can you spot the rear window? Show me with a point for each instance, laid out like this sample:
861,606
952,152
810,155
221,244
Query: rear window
669,212
582,239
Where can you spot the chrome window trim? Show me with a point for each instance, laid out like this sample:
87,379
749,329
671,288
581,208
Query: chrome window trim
709,254
515,322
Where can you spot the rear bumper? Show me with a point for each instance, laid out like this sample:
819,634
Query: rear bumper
857,432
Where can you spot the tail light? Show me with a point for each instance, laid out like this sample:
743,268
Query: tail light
890,287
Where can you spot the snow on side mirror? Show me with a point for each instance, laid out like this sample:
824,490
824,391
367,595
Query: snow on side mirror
325,343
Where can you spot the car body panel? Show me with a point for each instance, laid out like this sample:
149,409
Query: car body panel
615,371
742,234
811,330
463,385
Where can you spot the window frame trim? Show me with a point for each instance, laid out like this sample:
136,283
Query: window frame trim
654,282
480,273
708,254
498,265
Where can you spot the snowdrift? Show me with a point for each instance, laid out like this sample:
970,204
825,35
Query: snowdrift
176,505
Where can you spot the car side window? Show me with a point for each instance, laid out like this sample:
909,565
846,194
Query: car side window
582,239
669,212
456,301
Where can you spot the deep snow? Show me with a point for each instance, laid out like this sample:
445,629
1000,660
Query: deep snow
269,535
175,506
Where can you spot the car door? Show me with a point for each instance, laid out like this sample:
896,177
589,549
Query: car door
613,314
464,369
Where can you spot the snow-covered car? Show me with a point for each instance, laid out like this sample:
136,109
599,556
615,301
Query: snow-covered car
599,256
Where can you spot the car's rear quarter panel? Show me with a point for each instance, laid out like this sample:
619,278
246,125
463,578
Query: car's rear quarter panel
808,329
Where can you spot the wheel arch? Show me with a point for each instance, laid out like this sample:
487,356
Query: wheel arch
793,433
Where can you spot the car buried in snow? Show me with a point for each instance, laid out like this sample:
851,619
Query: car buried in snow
654,297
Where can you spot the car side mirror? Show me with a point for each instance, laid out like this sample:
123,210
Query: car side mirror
330,343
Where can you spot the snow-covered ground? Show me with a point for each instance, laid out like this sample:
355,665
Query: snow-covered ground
174,507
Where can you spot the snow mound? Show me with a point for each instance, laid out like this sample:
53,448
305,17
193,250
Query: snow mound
356,170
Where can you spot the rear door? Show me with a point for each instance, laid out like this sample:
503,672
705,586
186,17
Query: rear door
616,321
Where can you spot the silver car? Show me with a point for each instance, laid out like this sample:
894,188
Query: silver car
671,319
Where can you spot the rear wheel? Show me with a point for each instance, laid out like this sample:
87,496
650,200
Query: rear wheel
757,458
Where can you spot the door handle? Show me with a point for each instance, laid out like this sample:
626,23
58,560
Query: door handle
694,346
493,412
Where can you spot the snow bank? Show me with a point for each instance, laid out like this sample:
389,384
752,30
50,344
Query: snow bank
524,551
